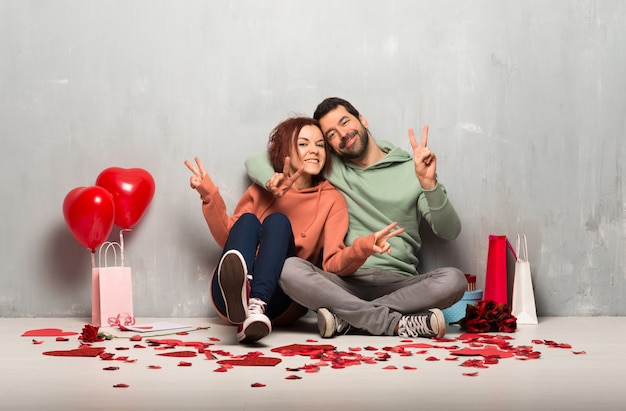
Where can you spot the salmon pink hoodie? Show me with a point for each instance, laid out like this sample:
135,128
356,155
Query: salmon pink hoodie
318,216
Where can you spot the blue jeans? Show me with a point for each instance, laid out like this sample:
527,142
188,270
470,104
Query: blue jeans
264,246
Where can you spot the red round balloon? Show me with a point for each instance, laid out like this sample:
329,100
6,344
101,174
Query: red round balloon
89,214
132,190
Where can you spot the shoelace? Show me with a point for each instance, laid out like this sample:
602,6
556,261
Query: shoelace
256,306
416,325
341,326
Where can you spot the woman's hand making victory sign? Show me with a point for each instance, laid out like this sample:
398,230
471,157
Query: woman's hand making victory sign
280,183
199,173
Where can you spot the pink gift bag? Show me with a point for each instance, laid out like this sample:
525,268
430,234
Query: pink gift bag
111,289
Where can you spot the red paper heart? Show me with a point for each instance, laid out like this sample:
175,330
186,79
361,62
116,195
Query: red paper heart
197,344
415,345
179,354
302,349
252,361
488,351
78,352
293,377
48,332
132,190
170,342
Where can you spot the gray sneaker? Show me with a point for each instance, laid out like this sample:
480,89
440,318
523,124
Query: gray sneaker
429,324
329,324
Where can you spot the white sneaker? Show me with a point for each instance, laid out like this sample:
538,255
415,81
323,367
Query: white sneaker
329,324
232,276
429,324
257,325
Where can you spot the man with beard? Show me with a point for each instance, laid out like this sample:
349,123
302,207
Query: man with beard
382,184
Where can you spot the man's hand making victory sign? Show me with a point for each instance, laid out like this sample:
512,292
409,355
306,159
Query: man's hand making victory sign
425,160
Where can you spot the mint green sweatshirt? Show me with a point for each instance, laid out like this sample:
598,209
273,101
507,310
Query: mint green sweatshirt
380,194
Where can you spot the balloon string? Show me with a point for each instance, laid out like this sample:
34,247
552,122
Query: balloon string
93,258
122,247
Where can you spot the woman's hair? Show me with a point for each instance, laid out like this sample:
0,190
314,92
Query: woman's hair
284,137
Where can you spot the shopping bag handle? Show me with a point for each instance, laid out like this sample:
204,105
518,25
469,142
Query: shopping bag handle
522,247
106,246
508,244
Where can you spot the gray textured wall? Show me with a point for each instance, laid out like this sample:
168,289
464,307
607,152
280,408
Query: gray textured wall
526,101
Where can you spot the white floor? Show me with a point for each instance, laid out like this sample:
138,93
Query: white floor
559,380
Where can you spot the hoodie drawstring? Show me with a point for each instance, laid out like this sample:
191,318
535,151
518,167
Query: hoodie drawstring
317,207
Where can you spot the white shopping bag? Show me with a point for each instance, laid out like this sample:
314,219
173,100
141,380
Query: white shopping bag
523,293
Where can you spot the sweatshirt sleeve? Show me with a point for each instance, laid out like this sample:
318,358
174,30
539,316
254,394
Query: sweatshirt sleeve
214,211
259,168
439,212
339,258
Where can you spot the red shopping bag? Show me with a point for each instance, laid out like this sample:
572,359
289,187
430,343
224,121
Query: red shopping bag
496,278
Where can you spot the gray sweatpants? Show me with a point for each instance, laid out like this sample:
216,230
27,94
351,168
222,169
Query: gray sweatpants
371,299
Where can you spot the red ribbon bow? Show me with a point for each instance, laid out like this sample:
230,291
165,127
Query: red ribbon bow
122,319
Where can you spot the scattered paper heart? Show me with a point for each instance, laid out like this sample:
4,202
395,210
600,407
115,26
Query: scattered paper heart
78,352
48,332
179,354
252,361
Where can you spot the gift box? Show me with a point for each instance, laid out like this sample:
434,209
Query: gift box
457,311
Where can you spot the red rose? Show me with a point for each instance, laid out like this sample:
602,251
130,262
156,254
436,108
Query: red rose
509,325
487,315
89,333
478,325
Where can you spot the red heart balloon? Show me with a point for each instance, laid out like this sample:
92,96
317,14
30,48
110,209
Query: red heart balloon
89,213
132,190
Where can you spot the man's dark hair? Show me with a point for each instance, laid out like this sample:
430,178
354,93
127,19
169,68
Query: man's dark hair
330,104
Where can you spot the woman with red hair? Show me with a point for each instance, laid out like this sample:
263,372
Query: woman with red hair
309,221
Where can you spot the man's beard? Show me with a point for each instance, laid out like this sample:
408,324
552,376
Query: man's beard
358,148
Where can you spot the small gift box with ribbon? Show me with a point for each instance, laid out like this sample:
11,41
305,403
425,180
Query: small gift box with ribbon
112,289
457,311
